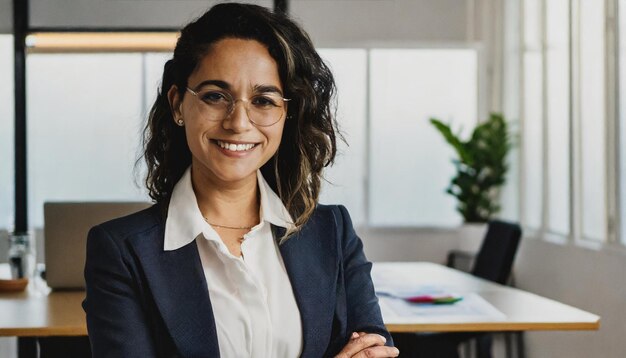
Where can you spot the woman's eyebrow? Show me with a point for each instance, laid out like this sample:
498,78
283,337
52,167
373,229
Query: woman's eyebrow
267,89
217,83
226,86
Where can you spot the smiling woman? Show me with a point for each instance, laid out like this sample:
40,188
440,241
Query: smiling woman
217,129
236,258
306,78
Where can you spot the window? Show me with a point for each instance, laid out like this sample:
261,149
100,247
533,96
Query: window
401,85
532,109
557,116
7,170
410,164
346,179
84,124
565,119
592,169
510,101
86,113
622,115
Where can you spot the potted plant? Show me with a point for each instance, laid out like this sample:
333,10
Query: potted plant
480,170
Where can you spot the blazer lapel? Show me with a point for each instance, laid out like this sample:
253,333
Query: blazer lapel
312,270
179,288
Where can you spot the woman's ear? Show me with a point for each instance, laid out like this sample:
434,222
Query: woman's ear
175,104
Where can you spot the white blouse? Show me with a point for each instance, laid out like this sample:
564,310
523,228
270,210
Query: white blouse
254,307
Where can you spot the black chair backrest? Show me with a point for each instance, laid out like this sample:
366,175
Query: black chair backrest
497,252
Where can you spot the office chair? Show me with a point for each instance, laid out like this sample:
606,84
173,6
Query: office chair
497,252
493,262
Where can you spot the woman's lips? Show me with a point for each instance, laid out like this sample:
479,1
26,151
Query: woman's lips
235,148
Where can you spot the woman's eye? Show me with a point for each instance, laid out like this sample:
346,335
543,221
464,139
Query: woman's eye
213,97
264,101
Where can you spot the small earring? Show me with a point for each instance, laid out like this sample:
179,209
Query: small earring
180,122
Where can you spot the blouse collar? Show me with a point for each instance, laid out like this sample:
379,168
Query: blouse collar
185,221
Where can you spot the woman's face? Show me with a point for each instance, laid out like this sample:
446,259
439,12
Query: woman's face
231,149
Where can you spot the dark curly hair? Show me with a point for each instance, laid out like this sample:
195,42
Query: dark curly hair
308,142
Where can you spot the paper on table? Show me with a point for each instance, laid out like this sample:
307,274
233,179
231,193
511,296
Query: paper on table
422,290
472,307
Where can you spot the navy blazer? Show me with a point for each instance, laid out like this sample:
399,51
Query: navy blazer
143,301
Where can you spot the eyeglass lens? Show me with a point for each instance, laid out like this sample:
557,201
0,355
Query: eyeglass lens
263,109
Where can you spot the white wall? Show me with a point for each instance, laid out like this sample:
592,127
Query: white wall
6,17
168,14
341,22
369,20
408,244
326,20
590,279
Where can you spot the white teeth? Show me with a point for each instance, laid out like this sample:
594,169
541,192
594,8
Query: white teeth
235,147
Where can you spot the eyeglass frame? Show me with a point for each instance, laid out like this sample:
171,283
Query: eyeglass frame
234,103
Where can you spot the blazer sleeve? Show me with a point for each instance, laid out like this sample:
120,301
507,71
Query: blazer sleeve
362,304
116,322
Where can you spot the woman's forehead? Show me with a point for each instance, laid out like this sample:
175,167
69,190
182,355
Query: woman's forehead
238,63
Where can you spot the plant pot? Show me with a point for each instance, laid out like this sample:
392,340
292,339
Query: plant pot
470,236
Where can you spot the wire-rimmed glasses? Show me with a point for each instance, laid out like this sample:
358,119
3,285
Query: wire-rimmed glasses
263,109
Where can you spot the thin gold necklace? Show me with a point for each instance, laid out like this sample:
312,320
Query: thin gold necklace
228,227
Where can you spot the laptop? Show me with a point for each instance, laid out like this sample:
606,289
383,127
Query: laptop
65,237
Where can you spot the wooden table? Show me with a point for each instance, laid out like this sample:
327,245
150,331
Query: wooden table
523,311
39,313
35,313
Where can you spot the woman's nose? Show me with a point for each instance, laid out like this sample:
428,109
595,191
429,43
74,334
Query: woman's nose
238,120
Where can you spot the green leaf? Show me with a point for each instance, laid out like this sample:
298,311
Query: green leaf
480,164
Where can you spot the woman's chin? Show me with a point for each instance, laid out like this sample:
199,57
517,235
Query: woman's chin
233,175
